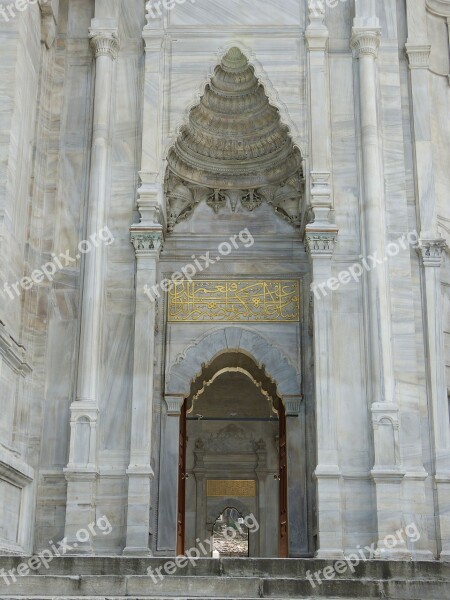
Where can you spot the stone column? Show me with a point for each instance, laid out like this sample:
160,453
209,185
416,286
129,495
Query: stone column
82,470
430,250
386,473
147,243
168,485
431,255
320,246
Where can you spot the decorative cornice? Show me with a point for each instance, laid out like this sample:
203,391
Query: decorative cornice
418,56
13,353
145,242
104,42
431,252
366,41
320,243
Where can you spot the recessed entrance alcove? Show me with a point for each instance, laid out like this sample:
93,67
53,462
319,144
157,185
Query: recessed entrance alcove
235,431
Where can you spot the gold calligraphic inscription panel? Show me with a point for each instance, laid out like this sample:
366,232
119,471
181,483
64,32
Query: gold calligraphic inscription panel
231,487
250,300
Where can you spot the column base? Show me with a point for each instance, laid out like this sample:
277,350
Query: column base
141,552
330,554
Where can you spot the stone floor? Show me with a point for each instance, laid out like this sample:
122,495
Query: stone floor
113,578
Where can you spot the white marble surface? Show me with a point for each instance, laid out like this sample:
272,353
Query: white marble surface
45,138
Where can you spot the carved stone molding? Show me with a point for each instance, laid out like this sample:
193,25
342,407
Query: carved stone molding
366,41
320,243
441,8
317,34
49,17
104,42
183,197
146,243
418,56
431,252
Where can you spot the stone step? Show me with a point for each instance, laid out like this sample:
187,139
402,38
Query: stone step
113,578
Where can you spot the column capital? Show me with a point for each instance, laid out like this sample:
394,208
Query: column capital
320,244
365,41
418,55
292,405
174,405
431,251
146,242
104,41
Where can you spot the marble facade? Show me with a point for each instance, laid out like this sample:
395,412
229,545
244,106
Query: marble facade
95,98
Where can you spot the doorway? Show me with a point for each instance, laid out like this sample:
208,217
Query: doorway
232,457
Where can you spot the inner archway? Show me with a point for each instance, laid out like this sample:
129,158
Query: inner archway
233,449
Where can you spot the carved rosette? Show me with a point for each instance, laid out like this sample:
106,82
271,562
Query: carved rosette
147,243
320,243
104,43
431,252
366,42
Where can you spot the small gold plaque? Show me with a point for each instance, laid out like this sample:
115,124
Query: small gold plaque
233,301
231,487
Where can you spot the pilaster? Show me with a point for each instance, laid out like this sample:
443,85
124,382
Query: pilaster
147,242
320,247
168,485
431,255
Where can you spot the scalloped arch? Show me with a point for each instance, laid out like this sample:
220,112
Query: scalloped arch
189,365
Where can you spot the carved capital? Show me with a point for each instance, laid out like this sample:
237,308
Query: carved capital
174,405
317,32
418,56
431,252
146,243
292,405
104,42
366,41
320,243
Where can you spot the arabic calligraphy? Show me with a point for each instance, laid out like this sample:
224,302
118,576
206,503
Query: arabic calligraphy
269,300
